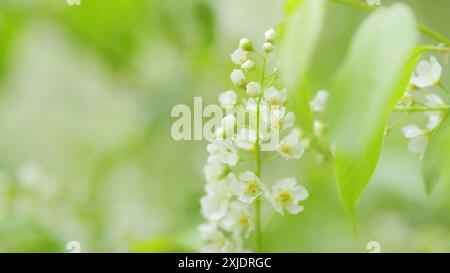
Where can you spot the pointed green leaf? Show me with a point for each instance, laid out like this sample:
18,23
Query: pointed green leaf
372,79
436,162
302,32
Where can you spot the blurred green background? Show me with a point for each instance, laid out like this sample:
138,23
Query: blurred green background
85,147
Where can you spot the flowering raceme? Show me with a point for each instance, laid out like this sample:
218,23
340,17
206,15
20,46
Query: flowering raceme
232,204
427,75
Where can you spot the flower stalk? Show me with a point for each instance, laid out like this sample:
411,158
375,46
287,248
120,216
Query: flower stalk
258,233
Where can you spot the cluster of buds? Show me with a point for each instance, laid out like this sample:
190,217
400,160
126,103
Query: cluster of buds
233,192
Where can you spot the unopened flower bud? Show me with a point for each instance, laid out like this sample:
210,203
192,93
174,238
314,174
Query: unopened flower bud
246,44
270,36
239,56
238,78
253,89
268,47
248,65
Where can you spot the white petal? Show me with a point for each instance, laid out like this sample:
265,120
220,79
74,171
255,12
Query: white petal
418,145
247,198
412,131
422,81
436,68
285,183
289,120
278,207
300,193
293,208
423,68
239,56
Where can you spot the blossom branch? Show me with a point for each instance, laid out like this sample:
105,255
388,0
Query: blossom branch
421,109
421,27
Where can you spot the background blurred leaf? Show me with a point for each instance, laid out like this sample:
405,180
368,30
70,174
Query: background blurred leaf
115,29
436,161
160,245
206,22
291,5
10,26
302,33
26,236
365,92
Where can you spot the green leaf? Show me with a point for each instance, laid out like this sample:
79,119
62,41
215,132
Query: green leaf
115,30
372,79
24,235
302,32
436,161
291,5
11,24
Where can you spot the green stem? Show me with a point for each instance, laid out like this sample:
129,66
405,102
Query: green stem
444,88
355,4
422,28
433,34
420,109
258,161
399,121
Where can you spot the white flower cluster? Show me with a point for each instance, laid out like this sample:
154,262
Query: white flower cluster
427,75
317,106
231,192
374,2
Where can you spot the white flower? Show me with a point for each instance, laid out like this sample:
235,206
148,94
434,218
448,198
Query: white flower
286,194
208,229
319,128
251,105
214,206
274,97
291,147
249,188
222,151
238,219
412,131
406,101
319,101
270,35
434,119
228,124
418,139
228,99
253,89
226,187
374,2
216,241
434,100
267,47
214,171
279,119
227,127
216,202
238,78
246,139
418,145
239,56
246,44
248,65
427,73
